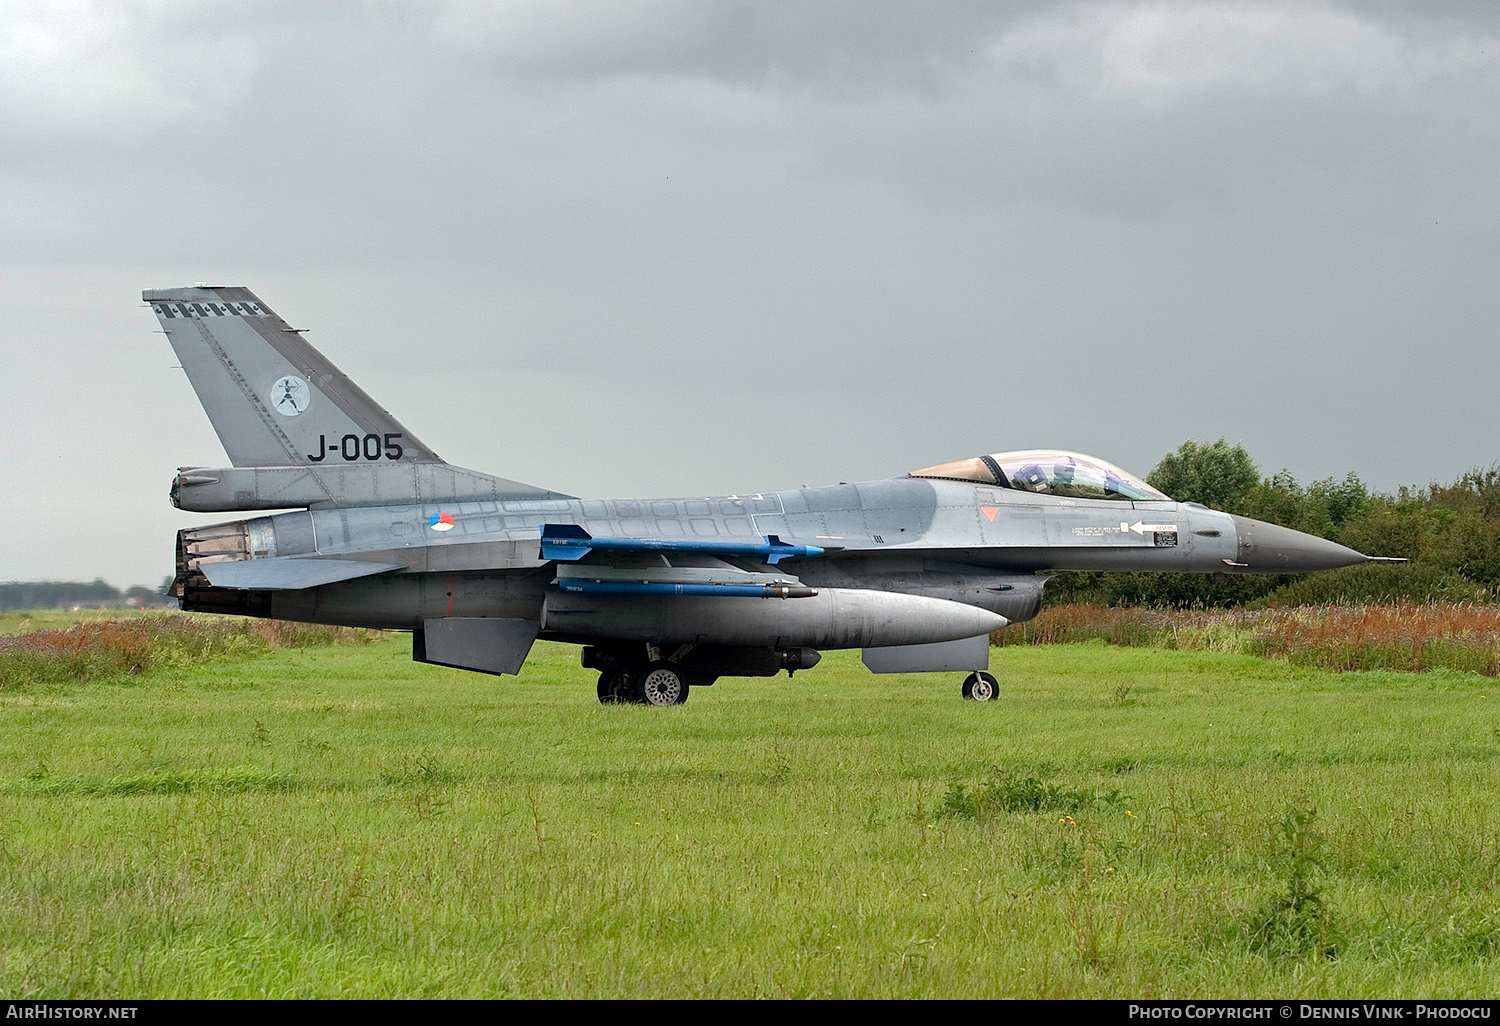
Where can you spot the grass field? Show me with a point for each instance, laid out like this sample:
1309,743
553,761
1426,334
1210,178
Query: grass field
1123,822
19,622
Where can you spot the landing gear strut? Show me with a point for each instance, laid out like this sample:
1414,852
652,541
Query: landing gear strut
981,686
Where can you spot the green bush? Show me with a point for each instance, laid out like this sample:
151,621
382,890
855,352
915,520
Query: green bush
1008,792
1383,583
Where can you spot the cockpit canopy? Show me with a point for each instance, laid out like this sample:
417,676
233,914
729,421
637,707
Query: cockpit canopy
1050,471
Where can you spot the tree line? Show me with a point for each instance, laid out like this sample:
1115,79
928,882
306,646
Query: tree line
95,594
1449,532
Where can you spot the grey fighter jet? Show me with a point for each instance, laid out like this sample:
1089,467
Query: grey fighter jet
663,594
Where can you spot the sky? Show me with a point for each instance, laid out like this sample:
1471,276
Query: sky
660,248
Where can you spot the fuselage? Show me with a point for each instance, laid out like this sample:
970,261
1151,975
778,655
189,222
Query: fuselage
974,544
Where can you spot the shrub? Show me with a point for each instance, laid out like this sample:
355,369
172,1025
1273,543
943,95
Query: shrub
1013,792
1297,922
125,648
1374,583
1461,636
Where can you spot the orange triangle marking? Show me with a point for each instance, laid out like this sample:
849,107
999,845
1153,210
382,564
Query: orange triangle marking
989,512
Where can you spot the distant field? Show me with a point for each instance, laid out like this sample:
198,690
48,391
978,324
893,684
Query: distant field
19,622
338,821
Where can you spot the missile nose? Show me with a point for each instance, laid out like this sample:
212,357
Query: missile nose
1268,548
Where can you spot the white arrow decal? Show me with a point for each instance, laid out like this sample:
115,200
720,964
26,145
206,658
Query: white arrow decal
1140,528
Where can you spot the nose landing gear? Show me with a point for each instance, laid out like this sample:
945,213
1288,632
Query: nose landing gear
981,686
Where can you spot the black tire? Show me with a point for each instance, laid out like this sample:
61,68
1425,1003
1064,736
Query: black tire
981,687
661,684
615,686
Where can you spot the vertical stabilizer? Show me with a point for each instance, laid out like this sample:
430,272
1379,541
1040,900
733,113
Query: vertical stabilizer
274,400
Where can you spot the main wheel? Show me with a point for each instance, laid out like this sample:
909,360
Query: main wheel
661,684
605,691
614,686
981,687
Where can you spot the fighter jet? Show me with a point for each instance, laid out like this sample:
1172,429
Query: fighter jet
662,594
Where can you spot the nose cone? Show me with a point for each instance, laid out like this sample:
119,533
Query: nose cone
1267,548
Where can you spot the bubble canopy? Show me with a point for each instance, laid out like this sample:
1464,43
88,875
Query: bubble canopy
1049,471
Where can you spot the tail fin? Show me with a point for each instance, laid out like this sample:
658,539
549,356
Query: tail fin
274,400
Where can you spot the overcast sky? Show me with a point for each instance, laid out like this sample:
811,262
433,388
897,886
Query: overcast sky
668,248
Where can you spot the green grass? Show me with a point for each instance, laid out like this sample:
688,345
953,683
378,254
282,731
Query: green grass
328,822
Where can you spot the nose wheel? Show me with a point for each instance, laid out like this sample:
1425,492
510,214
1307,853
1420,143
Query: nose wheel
981,687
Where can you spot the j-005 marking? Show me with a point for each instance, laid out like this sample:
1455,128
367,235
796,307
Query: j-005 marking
353,448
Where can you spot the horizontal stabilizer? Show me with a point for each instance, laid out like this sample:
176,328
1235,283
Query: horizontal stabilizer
568,542
289,573
222,489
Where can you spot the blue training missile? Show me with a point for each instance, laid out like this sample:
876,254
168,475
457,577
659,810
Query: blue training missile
569,542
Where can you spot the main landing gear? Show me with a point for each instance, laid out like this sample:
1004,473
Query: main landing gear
658,684
615,686
981,686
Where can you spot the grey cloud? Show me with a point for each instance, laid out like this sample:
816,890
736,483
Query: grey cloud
91,77
835,43
747,245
